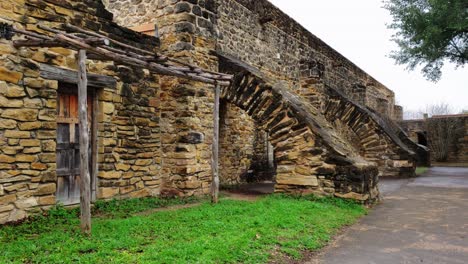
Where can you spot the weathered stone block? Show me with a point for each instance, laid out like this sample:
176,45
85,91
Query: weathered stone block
34,103
6,159
47,200
110,174
26,203
49,146
104,193
140,194
12,103
48,176
17,134
47,157
44,189
6,208
30,125
10,76
21,114
7,199
300,180
7,123
122,167
26,158
38,166
30,143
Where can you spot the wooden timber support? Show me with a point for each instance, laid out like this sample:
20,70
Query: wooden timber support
215,148
85,185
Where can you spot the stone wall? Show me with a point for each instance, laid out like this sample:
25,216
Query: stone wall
127,114
261,35
451,130
236,146
154,133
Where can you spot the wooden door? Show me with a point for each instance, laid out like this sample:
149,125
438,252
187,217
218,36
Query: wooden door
68,145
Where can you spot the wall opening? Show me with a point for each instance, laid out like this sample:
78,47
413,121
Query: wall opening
422,138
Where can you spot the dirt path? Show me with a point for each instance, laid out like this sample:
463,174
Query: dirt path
423,220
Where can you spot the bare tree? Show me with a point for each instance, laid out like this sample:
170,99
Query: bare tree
439,109
411,115
431,110
443,131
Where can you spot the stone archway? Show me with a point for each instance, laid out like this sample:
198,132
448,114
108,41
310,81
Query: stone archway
310,156
379,139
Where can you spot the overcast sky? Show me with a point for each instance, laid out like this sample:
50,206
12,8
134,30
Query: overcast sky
357,29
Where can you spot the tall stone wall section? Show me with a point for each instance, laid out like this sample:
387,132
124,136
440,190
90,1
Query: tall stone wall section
259,34
263,36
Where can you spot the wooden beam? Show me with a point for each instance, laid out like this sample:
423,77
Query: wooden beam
154,67
85,185
97,46
69,76
94,34
215,148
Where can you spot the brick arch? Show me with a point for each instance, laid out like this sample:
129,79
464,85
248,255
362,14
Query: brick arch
310,156
378,138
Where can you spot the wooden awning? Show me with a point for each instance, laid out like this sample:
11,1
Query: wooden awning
102,47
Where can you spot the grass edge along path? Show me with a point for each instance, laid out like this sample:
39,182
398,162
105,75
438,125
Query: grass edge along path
229,232
421,170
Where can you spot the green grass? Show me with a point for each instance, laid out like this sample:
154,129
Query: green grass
229,232
421,170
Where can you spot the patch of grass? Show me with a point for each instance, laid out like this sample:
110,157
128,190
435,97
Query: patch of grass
421,170
128,207
229,232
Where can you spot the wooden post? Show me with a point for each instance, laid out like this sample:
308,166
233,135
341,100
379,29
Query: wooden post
85,192
214,161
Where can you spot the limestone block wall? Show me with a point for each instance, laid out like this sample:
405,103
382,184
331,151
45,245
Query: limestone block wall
127,114
261,35
186,107
236,147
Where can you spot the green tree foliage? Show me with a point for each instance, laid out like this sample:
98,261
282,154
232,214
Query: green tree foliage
430,32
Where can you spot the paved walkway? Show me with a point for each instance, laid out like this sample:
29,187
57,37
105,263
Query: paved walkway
421,220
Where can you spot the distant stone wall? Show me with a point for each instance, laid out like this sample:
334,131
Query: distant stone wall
426,130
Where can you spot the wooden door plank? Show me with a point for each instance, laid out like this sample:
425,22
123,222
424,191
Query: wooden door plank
73,106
